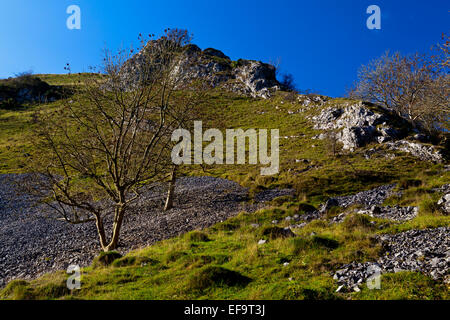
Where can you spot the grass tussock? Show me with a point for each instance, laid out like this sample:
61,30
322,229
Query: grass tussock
197,236
105,259
216,276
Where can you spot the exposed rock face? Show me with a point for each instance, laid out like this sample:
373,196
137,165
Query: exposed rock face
248,77
351,116
356,126
258,78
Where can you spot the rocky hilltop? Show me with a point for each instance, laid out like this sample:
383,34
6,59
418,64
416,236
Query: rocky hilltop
248,77
353,124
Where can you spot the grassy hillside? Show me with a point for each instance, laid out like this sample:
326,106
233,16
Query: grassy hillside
226,261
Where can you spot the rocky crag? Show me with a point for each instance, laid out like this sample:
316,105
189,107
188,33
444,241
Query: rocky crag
355,125
247,77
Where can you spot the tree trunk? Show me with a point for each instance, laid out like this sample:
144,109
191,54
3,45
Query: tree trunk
118,219
101,231
171,192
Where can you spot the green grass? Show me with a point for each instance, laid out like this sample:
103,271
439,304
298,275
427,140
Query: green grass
225,261
231,265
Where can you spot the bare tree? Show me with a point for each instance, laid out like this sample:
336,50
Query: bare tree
415,86
186,112
171,190
113,136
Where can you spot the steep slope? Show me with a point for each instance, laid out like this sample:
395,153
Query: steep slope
341,206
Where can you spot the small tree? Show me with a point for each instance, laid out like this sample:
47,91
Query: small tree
113,137
415,87
287,82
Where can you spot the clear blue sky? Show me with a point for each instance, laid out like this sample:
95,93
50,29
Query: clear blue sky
321,42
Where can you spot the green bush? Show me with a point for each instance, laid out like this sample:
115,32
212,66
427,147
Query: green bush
324,242
428,205
124,262
227,226
12,91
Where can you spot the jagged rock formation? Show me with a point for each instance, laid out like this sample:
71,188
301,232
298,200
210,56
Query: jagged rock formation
248,77
357,125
